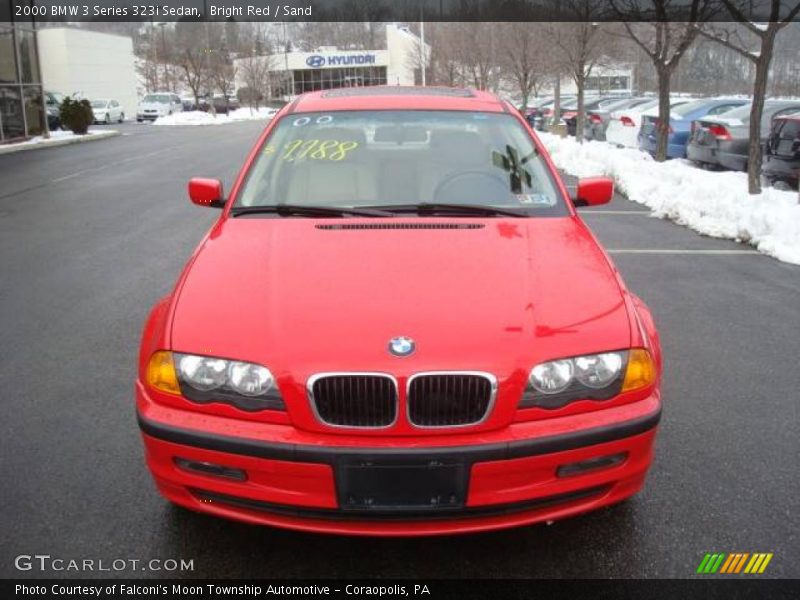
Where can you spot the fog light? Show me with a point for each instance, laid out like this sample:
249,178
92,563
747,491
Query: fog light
207,468
601,462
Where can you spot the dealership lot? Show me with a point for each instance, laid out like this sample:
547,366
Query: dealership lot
91,235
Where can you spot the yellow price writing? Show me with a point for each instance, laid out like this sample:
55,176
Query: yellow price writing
317,150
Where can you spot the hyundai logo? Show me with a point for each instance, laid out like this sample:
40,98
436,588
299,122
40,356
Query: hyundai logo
315,60
402,346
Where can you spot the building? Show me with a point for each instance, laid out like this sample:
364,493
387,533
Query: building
293,73
89,64
21,96
612,79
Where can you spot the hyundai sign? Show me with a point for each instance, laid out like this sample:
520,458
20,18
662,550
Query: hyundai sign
317,61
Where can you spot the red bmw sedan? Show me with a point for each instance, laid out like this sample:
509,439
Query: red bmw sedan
399,326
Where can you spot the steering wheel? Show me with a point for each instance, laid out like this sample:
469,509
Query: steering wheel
485,187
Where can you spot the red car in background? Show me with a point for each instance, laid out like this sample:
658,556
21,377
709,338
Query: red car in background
399,326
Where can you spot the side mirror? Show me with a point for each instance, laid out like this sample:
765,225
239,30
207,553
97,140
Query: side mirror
594,191
206,192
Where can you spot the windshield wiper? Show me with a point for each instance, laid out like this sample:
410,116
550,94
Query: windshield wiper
286,210
430,208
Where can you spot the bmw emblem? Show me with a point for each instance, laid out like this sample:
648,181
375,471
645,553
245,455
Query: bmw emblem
402,346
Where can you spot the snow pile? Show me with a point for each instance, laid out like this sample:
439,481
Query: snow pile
198,117
712,203
59,135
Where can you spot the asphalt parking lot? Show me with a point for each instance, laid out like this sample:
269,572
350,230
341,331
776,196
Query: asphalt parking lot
91,235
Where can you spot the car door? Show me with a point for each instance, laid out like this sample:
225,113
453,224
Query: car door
786,138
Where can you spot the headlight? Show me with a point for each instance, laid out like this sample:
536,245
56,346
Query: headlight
249,379
202,373
552,377
598,370
205,379
601,376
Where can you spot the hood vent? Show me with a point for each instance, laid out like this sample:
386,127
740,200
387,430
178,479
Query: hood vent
343,226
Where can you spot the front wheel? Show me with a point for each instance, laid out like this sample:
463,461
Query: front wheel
121,117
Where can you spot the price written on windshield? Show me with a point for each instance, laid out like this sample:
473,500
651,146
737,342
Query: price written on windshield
314,149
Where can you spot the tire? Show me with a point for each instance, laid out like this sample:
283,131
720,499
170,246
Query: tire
108,119
121,117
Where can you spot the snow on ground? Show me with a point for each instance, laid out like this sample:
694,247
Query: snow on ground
712,203
198,117
57,136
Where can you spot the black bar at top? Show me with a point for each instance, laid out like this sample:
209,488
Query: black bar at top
372,10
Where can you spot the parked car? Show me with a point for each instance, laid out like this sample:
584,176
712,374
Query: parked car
531,109
623,126
724,140
223,105
781,166
107,111
436,406
570,115
680,124
597,119
544,112
53,102
157,105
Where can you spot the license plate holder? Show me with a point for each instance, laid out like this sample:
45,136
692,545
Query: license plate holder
401,484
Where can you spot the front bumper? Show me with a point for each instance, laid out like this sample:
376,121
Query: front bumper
295,479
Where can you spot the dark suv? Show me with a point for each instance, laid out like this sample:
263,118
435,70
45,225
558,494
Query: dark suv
782,153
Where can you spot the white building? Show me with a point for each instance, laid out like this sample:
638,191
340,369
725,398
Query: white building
294,73
95,65
611,79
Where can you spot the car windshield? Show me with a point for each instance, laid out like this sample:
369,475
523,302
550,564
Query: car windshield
157,98
99,103
385,158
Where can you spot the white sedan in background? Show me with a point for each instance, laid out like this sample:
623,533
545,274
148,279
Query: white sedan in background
623,127
107,111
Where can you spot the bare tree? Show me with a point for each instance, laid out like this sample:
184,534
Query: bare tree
221,68
255,66
579,49
520,57
190,51
148,72
445,68
664,42
757,46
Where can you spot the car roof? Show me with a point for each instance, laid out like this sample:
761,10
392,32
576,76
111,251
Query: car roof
398,98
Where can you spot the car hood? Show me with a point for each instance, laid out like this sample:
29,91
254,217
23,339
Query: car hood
305,295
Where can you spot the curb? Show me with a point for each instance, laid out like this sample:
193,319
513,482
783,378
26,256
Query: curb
78,139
